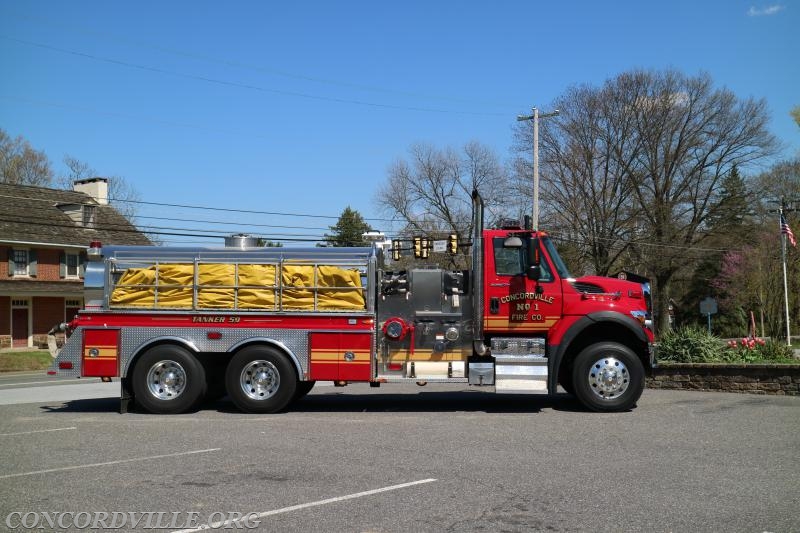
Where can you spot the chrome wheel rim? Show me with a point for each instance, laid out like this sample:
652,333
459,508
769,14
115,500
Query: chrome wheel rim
608,378
260,380
166,380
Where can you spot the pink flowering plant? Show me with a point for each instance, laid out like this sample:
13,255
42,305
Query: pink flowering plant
755,349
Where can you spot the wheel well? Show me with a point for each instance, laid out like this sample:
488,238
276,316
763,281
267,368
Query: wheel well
601,332
278,346
165,342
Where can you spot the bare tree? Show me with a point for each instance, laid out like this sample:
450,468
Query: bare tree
21,164
430,192
121,194
646,165
586,191
692,135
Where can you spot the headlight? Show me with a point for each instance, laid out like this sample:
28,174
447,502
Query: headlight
641,316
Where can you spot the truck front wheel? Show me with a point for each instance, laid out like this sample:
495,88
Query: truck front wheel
259,379
168,380
607,376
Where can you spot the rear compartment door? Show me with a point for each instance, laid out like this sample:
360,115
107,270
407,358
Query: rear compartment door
100,353
340,356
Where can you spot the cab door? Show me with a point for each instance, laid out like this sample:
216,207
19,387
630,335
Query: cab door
513,303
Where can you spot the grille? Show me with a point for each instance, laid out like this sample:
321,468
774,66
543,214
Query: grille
588,288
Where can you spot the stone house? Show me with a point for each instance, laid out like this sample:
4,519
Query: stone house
44,235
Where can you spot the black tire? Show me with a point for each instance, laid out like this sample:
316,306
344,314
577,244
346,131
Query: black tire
565,378
303,388
168,380
277,385
607,376
566,384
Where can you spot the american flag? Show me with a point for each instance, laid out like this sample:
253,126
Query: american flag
786,230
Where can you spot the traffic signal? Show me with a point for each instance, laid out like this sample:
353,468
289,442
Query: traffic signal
425,247
452,243
395,250
417,247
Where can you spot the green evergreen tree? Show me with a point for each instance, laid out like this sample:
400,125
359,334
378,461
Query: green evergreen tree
728,220
348,230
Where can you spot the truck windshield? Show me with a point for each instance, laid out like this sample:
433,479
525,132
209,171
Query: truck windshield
558,263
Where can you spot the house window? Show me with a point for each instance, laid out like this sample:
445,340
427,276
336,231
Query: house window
89,215
21,262
72,262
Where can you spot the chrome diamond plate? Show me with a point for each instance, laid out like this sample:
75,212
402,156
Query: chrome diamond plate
71,351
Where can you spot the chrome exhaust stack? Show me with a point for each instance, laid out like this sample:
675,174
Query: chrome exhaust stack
477,274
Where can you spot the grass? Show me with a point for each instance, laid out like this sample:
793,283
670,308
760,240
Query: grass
24,360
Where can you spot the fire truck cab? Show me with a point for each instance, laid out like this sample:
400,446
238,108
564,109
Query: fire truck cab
262,325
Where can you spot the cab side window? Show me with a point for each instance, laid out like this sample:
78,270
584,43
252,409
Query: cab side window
514,262
507,261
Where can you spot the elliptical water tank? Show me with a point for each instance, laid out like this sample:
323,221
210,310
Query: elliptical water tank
241,240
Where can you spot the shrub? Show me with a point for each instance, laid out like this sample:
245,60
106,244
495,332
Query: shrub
690,344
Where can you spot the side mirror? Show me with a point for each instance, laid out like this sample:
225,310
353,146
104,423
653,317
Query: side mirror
534,272
512,242
534,259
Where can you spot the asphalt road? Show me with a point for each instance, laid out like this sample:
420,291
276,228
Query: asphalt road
438,458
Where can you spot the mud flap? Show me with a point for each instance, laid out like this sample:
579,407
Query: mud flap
126,396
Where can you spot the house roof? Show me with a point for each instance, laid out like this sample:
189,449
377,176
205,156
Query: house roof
32,214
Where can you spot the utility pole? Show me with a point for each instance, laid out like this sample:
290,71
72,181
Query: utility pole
535,117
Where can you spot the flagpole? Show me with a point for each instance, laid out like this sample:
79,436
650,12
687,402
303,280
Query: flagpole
785,284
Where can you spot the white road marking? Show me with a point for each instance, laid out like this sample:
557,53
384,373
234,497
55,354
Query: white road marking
227,524
76,467
52,382
36,431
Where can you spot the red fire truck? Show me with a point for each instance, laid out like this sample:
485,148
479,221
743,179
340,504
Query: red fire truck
262,325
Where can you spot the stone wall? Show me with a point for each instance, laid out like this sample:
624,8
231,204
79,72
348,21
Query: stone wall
752,379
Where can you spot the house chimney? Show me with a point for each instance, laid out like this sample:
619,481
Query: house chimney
97,188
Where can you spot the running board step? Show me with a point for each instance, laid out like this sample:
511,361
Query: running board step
520,375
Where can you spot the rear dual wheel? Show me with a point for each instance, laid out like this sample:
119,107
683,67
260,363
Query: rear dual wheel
260,379
168,380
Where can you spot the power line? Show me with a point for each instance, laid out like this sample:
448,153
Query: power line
120,226
204,208
154,120
249,224
245,85
304,237
232,210
134,230
257,68
278,237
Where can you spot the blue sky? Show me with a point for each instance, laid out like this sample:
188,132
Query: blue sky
300,107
